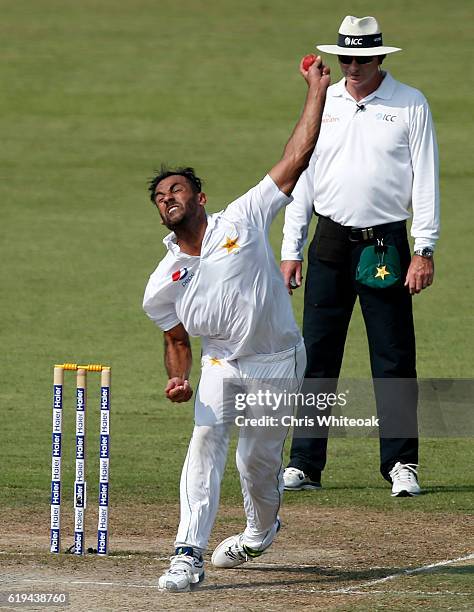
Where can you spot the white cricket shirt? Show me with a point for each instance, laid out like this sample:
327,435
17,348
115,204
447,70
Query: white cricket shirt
232,295
370,166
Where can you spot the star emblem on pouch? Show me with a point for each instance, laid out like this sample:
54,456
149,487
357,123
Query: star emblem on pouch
215,361
230,244
382,272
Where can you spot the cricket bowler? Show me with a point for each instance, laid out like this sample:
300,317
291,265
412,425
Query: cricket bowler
219,281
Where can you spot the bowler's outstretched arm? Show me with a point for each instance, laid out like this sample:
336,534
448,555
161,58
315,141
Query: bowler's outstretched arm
300,146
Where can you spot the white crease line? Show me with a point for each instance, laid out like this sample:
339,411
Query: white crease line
149,555
137,556
121,584
421,593
85,582
408,572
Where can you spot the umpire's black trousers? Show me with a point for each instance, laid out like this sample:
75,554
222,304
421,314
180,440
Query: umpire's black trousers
330,294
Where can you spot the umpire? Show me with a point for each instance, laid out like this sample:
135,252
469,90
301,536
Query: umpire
376,159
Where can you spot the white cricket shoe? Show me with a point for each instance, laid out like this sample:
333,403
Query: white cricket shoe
404,480
185,570
232,552
296,480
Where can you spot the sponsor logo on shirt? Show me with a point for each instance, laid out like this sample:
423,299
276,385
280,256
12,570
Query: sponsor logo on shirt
385,117
182,275
179,274
188,279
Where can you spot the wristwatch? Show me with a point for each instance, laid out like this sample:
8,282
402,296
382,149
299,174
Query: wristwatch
425,252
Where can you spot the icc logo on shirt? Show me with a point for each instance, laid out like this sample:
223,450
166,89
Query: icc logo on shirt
384,117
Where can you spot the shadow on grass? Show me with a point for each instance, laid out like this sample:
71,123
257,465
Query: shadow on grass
449,489
463,569
382,487
321,577
348,487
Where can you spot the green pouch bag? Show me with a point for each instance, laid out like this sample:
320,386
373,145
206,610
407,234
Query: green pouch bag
379,266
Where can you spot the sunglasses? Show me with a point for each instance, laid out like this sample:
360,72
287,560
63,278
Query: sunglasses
347,59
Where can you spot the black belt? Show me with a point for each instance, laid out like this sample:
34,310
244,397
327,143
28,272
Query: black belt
334,242
363,234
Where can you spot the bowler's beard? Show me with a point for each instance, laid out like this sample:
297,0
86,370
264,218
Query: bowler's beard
174,225
181,224
177,223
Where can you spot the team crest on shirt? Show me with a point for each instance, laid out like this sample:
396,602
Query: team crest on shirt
179,274
230,244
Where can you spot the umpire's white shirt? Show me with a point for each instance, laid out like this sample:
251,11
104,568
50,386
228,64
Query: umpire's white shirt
232,295
373,161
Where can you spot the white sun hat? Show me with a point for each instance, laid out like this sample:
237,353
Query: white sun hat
358,36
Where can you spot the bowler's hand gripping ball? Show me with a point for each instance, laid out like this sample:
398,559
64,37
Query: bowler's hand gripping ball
308,61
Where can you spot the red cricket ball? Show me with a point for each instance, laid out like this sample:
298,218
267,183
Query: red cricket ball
308,61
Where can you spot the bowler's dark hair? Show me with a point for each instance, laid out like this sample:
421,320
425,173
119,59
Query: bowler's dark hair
165,172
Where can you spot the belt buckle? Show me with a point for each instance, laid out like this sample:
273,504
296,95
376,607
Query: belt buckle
367,233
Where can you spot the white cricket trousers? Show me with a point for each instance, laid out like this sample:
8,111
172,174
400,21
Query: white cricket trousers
259,449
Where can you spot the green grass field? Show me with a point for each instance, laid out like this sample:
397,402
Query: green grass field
95,95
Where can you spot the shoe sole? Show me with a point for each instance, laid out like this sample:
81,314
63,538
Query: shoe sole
305,487
405,494
250,556
223,544
171,587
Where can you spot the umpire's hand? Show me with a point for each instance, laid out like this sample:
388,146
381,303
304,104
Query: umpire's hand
291,272
420,274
